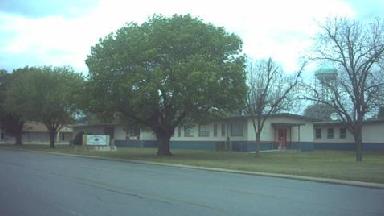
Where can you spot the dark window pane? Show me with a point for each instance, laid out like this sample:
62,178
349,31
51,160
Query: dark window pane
330,133
343,133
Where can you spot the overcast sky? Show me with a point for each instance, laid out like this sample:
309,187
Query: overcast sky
61,32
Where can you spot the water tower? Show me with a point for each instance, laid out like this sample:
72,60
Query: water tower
325,80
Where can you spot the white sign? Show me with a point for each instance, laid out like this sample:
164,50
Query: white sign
97,139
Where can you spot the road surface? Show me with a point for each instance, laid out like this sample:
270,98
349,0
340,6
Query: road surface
39,184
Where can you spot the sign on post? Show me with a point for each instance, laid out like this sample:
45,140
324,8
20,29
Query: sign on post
100,140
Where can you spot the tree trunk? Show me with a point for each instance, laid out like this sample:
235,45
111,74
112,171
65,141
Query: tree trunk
17,132
257,143
359,143
163,144
19,138
52,134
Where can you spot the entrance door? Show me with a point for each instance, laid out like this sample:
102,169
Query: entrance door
282,138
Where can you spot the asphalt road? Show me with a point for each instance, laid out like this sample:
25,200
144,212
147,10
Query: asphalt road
38,184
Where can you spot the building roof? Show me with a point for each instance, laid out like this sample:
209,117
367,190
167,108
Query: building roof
279,115
40,127
336,122
287,124
94,125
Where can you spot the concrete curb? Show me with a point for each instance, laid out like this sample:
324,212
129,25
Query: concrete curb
267,174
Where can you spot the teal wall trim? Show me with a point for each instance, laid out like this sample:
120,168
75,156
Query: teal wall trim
248,146
202,145
349,146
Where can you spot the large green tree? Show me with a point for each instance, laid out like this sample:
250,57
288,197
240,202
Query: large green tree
44,94
10,122
166,70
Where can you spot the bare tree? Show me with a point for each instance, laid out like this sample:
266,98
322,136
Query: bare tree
355,49
270,91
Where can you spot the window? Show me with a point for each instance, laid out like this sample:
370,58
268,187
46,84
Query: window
343,133
318,133
215,130
330,133
223,129
133,133
179,131
188,131
237,128
203,131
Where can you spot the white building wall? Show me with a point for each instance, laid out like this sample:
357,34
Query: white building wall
146,134
268,132
306,132
336,139
119,133
265,135
196,136
372,133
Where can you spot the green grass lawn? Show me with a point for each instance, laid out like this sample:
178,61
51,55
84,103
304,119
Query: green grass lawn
328,164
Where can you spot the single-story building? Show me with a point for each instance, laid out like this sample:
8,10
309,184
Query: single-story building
37,133
287,131
237,134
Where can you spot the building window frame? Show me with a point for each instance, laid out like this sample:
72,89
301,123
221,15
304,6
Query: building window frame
237,129
342,133
188,131
215,129
223,129
179,131
330,133
204,130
